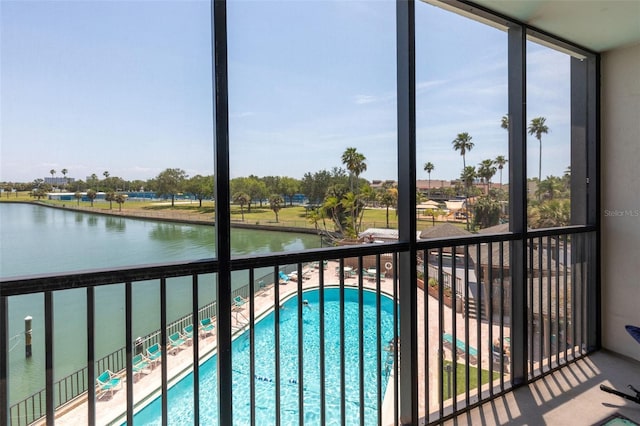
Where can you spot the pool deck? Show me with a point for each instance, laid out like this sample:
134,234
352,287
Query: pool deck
109,410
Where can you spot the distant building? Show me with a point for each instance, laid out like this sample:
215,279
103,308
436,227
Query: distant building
58,180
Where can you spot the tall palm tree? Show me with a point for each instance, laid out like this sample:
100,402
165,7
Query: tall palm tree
53,172
504,123
388,198
429,167
355,163
64,174
500,161
468,175
537,128
486,170
463,144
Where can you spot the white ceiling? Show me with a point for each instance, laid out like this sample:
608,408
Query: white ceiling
598,25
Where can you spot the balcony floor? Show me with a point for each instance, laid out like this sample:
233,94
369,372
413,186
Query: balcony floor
570,396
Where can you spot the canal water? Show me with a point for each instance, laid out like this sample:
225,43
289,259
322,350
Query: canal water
41,240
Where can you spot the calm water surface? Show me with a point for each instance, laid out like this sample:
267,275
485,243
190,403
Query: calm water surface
39,240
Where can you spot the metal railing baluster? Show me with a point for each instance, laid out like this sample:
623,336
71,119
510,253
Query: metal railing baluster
163,345
300,278
252,347
276,307
195,346
128,303
361,334
453,390
49,344
323,403
440,333
343,407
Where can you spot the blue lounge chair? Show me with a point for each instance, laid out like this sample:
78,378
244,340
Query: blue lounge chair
176,341
140,365
154,354
262,287
107,382
283,277
239,301
461,347
206,326
187,332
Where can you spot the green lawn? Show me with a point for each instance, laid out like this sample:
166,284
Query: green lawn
295,216
461,378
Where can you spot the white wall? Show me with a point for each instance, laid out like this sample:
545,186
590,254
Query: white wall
620,163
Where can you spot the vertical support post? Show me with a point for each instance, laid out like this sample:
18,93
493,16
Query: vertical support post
593,199
27,336
578,141
518,200
223,219
407,274
584,175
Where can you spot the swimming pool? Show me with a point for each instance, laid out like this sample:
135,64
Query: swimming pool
180,396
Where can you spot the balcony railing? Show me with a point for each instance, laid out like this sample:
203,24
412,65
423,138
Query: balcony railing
469,346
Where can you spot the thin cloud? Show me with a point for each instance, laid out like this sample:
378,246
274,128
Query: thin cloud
426,85
365,99
242,114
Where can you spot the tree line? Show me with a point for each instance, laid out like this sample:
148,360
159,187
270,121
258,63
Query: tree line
338,195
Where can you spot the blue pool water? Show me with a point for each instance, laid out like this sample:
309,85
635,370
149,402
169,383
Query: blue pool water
180,406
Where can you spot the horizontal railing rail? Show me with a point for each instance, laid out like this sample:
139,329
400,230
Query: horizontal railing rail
76,383
464,348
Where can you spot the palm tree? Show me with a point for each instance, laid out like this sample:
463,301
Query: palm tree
463,144
241,198
350,203
331,206
428,167
550,188
504,123
78,196
388,198
537,128
91,195
53,172
110,197
355,163
120,199
275,203
64,173
467,177
486,171
500,161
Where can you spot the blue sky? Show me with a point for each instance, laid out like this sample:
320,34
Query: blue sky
126,87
